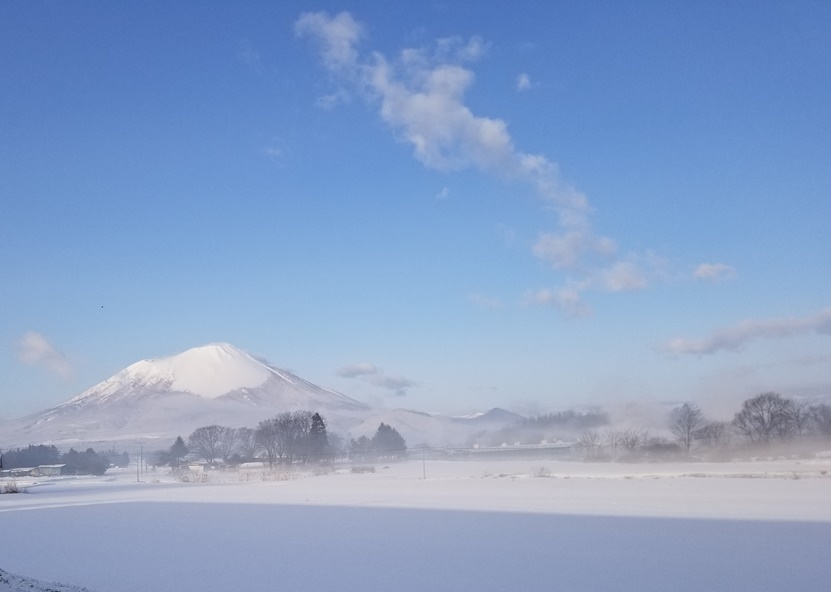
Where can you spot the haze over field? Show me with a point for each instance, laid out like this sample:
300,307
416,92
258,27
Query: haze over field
443,207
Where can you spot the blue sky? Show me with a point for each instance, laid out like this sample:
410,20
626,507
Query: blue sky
441,206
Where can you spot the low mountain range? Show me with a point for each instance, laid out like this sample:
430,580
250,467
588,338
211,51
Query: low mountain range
155,400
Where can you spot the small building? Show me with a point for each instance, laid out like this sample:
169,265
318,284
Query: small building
48,470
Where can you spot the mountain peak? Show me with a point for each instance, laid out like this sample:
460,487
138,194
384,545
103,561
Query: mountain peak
208,371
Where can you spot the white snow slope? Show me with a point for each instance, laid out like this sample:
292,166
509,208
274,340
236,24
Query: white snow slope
479,526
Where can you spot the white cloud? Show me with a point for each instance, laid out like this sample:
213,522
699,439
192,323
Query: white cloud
623,276
735,337
523,82
714,272
35,350
375,376
443,195
627,275
567,300
338,36
457,49
567,249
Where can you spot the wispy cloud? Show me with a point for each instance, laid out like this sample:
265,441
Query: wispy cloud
714,272
356,370
735,337
34,349
523,82
329,102
443,195
569,249
420,95
396,385
567,300
623,276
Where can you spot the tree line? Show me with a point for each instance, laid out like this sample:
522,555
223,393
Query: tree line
763,421
286,438
87,462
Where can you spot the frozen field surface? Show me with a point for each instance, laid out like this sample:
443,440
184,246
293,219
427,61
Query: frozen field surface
469,526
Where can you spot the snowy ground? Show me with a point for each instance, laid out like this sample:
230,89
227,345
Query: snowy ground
481,526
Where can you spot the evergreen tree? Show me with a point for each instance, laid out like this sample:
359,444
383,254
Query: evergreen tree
84,463
318,441
178,451
360,448
388,442
32,456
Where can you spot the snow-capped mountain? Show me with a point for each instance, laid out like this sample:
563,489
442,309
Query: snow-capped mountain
165,397
218,371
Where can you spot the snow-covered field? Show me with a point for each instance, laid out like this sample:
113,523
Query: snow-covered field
488,525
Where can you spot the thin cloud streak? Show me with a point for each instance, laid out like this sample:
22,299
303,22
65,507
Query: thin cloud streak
370,373
356,370
36,350
567,300
735,337
714,272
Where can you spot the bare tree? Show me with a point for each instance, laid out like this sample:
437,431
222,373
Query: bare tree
822,419
591,442
763,417
247,443
715,434
267,437
685,423
631,439
800,418
227,443
205,442
613,439
283,436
